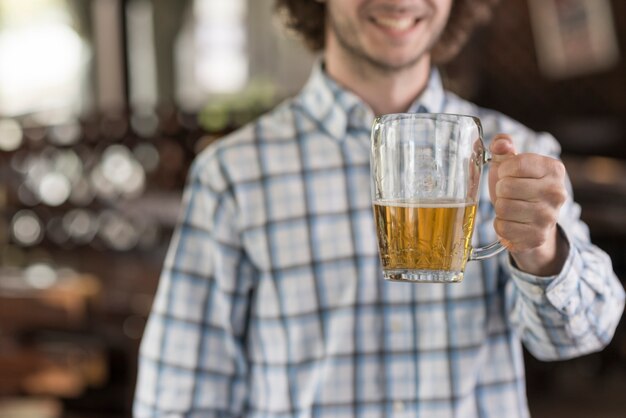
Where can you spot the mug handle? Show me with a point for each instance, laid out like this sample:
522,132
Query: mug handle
495,247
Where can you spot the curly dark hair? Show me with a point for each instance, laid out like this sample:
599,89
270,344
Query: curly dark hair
307,19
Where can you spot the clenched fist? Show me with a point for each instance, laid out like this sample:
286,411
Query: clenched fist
527,191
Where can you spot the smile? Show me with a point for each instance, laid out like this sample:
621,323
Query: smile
399,24
396,25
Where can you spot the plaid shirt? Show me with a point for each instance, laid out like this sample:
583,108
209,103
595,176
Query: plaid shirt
272,302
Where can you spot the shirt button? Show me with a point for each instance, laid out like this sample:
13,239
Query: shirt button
537,291
398,406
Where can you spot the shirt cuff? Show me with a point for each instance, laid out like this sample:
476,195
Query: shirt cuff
558,288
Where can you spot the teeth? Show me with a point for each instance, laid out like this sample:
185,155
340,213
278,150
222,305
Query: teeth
399,24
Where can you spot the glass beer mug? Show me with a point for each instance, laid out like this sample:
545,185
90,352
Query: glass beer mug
426,172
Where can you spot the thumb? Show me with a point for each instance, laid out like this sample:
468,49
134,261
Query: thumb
501,148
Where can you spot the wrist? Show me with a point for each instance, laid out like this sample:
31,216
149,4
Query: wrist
546,260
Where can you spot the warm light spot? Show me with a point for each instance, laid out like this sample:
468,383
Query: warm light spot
604,170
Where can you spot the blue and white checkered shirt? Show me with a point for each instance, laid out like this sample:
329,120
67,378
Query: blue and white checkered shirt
272,303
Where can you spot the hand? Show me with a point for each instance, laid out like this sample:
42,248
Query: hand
527,191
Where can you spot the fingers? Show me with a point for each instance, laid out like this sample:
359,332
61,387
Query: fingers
531,166
547,189
523,212
523,165
528,191
520,237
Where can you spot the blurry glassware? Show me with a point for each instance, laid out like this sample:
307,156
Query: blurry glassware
116,231
102,187
426,170
40,276
11,135
69,164
81,225
116,165
37,166
122,171
26,228
54,189
136,184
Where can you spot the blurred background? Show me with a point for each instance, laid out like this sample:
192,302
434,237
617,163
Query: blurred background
104,104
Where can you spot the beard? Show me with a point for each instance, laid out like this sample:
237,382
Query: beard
346,38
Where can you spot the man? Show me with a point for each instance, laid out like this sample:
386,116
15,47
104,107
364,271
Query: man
272,302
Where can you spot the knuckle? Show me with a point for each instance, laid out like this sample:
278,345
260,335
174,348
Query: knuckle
501,206
505,229
544,215
499,227
556,194
559,169
503,187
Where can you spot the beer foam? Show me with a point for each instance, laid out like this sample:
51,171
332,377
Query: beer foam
423,203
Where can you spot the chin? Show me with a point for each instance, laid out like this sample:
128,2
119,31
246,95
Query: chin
399,62
397,57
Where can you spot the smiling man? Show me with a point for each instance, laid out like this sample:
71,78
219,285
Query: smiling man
383,47
272,302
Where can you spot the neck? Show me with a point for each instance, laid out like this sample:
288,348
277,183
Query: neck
385,91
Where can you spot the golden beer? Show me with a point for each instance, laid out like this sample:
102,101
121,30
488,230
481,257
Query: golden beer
424,235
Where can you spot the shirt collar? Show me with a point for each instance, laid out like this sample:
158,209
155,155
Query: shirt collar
338,110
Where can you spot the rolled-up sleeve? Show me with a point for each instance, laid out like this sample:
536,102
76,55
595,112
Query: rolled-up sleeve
192,360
